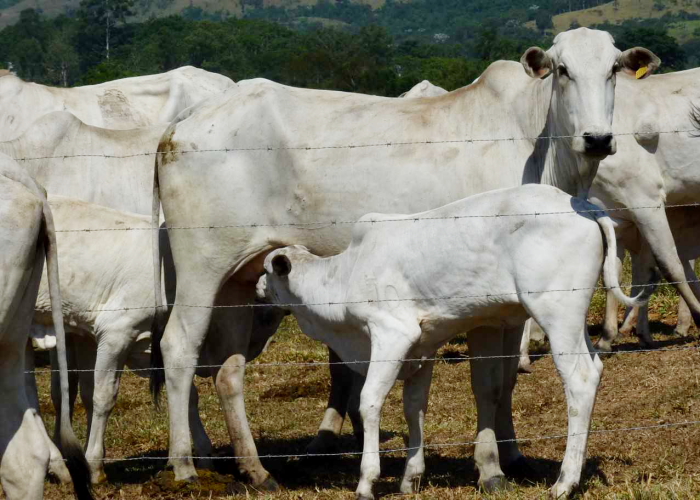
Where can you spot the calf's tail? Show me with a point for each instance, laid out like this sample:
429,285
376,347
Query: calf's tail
610,275
70,447
157,378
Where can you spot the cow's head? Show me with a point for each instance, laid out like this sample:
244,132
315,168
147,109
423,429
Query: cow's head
279,284
583,64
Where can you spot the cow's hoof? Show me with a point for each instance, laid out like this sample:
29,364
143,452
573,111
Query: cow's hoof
324,442
603,346
524,368
269,485
560,492
495,484
682,332
520,468
361,496
98,477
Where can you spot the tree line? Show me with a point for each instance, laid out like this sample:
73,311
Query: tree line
98,44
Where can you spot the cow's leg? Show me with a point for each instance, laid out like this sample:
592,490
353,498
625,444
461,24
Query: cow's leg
580,375
509,455
202,443
524,365
57,466
73,381
631,320
24,455
685,320
85,355
358,382
341,385
415,406
182,340
230,335
389,342
655,229
108,359
487,384
612,305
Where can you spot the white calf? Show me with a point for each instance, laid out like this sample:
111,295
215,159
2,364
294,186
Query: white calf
407,284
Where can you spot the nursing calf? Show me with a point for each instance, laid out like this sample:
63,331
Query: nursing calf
407,284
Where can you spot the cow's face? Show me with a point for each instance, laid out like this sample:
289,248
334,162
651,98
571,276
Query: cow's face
583,64
279,283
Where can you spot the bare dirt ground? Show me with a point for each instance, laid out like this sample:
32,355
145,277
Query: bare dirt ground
285,405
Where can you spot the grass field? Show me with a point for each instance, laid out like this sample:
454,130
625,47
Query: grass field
285,406
616,12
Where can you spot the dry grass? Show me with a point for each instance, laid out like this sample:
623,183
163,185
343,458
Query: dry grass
616,12
285,406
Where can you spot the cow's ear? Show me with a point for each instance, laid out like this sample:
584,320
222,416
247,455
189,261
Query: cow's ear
281,265
537,62
639,61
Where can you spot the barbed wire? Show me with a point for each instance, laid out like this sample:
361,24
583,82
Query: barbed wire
374,301
341,146
330,223
366,362
407,448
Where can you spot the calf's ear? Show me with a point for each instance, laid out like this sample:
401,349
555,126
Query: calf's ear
537,62
281,265
639,61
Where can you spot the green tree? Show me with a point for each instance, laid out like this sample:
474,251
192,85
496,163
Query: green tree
107,14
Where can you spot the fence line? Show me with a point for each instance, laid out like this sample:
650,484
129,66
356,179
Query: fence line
366,362
376,301
344,146
426,446
330,223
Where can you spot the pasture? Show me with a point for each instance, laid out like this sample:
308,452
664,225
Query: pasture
285,405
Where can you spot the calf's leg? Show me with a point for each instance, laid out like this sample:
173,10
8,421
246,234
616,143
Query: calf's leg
509,455
415,405
487,385
389,342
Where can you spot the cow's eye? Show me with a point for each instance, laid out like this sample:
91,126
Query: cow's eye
563,71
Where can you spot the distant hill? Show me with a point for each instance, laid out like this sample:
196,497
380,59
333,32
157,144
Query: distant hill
623,10
10,9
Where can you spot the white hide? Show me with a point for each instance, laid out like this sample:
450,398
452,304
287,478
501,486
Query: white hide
120,104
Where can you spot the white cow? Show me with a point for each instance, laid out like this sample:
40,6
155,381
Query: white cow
276,158
106,272
27,238
424,89
407,284
113,168
120,104
667,167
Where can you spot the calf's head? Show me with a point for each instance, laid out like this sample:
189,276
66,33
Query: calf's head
583,65
281,283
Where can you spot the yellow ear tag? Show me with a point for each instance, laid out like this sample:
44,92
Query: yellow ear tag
641,72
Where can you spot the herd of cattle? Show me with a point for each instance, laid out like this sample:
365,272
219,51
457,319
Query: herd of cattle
259,183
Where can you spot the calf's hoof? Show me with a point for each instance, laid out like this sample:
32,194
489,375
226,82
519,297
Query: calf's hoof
363,496
495,484
269,485
410,486
603,345
682,332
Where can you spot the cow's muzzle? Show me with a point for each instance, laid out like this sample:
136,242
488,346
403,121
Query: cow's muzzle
598,145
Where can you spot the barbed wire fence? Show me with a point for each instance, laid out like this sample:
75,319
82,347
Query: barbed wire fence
407,219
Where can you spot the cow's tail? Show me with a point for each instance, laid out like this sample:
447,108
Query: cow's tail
157,378
610,275
71,449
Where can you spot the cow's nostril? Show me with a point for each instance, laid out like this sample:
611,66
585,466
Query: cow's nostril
602,141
